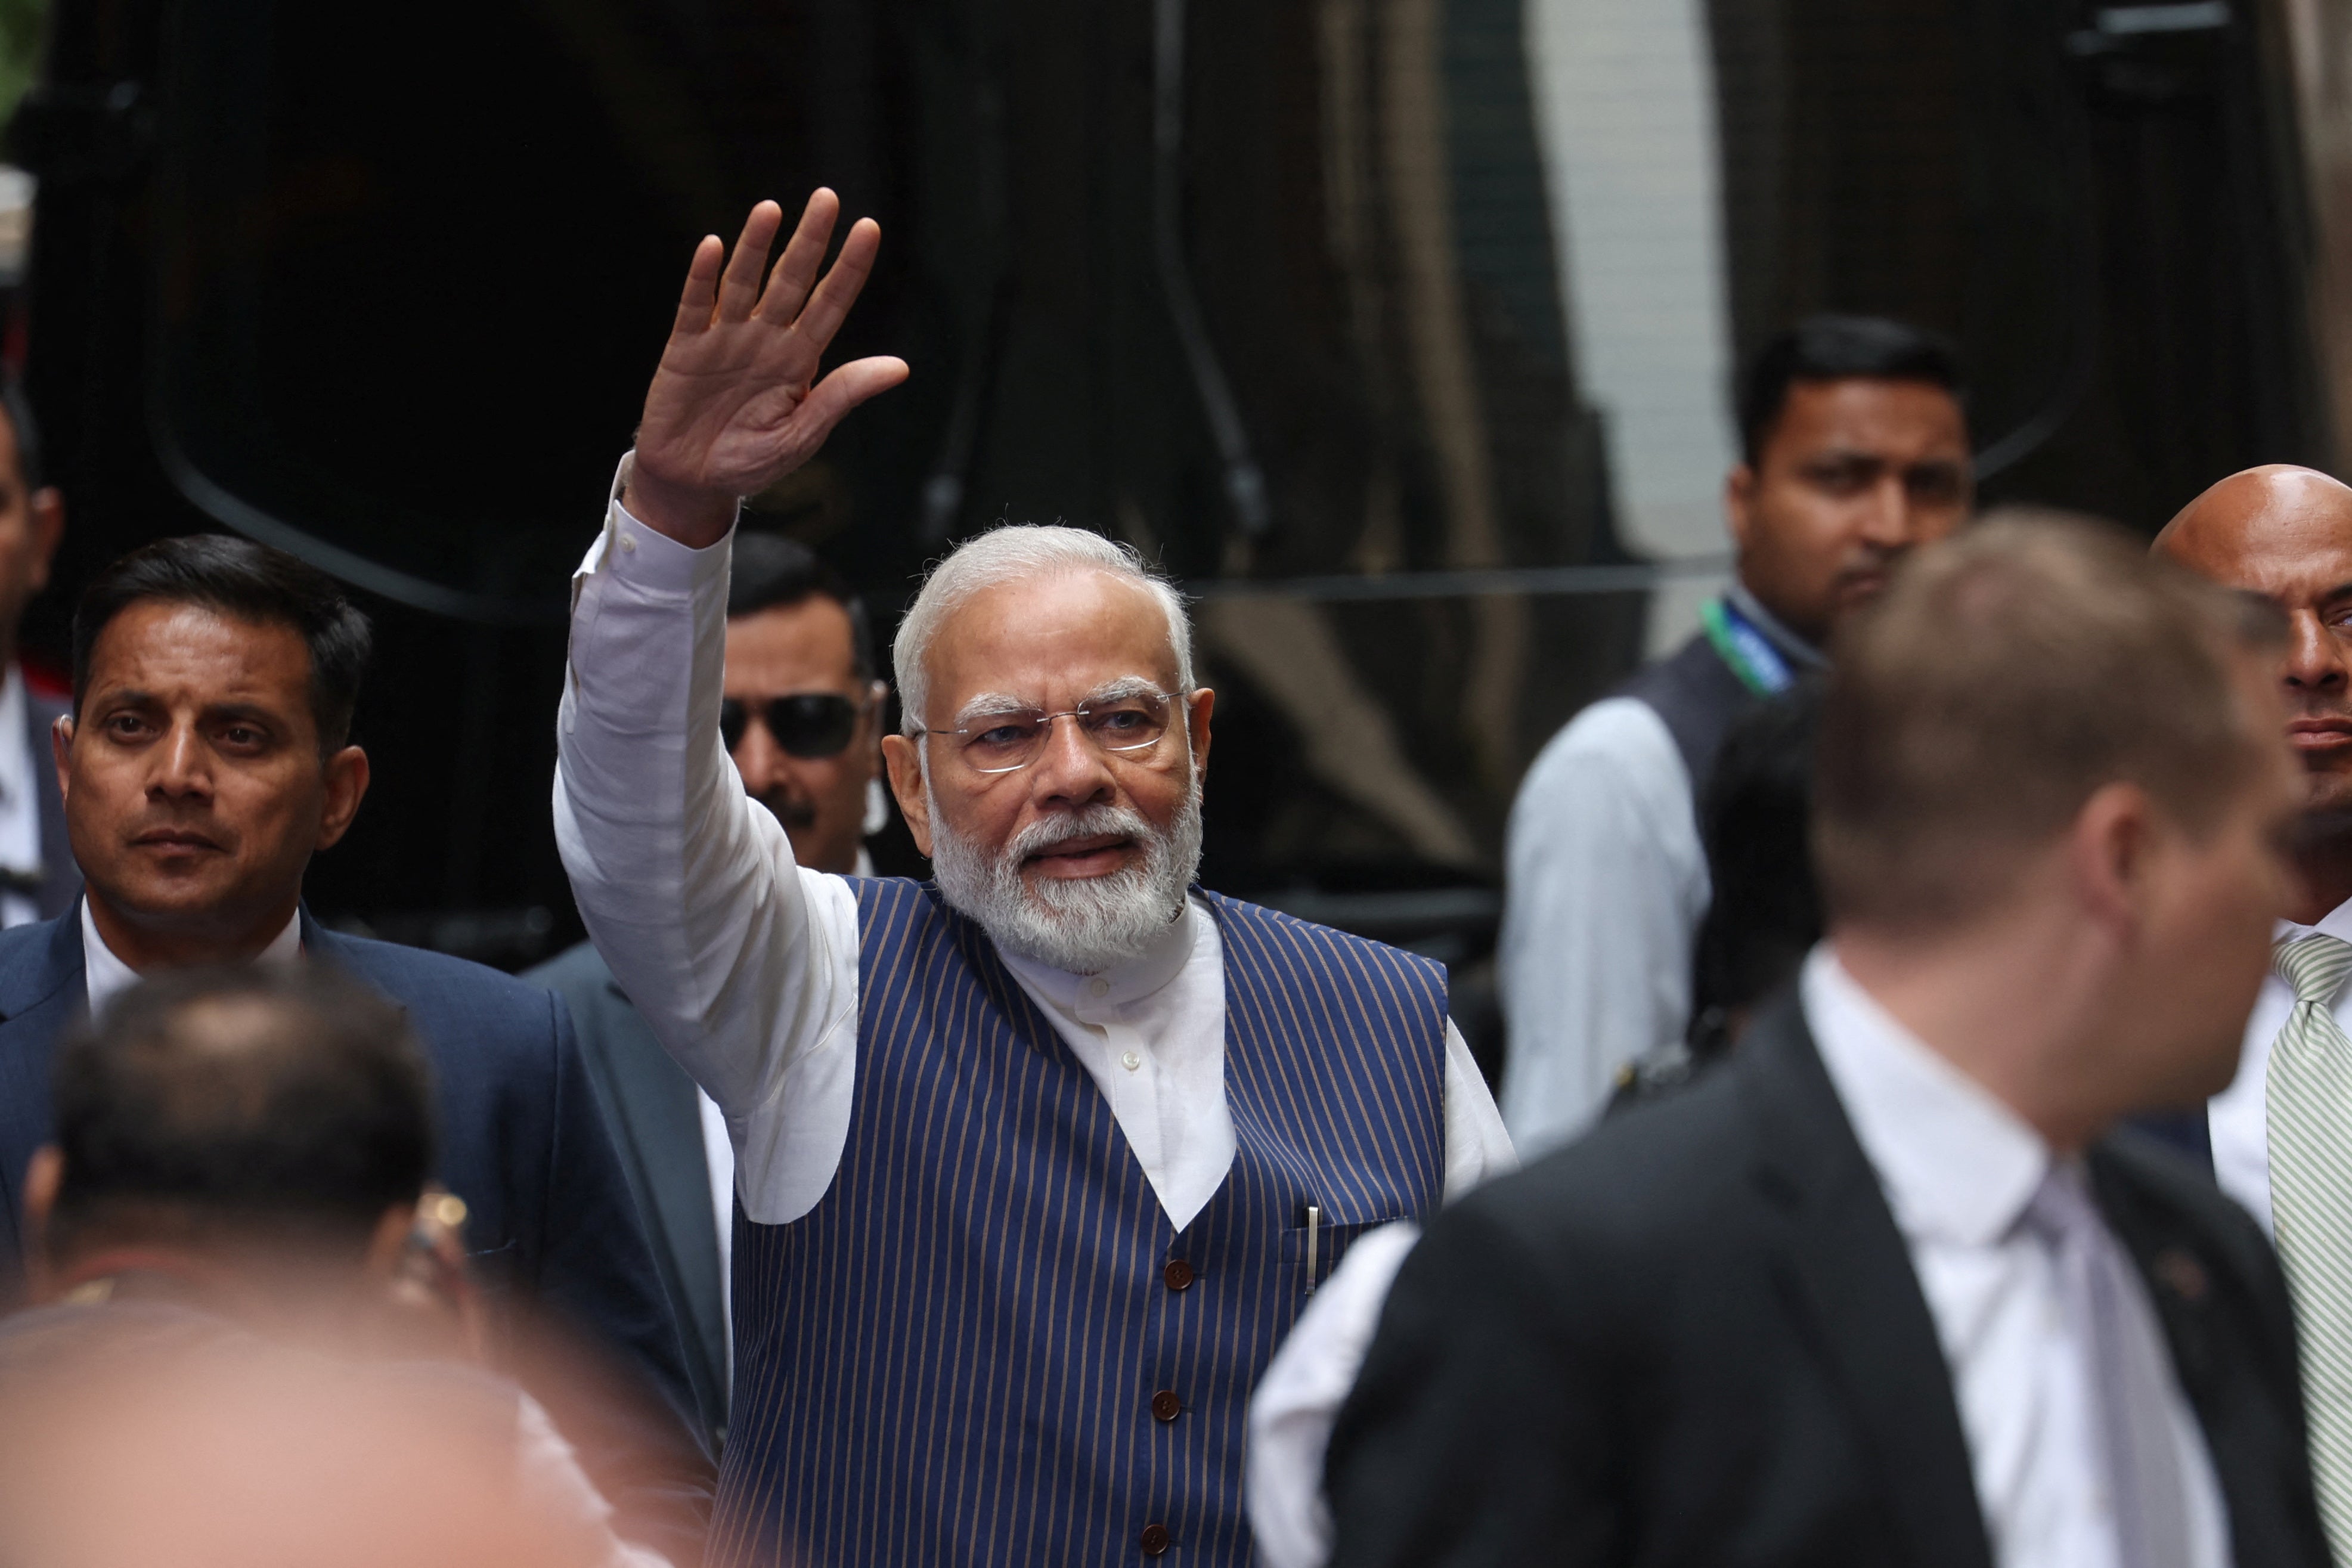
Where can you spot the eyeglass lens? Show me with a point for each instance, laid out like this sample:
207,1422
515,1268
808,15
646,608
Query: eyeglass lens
808,724
1002,741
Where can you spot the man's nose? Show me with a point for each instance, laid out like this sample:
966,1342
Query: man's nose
759,759
1886,519
1070,769
2315,654
182,765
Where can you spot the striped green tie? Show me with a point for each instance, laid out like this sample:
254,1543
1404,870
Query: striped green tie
2309,1102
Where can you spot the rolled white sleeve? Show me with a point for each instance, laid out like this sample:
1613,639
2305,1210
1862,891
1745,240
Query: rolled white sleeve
744,964
1606,883
1477,1148
1298,1402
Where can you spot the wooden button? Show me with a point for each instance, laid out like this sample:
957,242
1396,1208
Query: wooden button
1165,1405
1179,1274
1155,1539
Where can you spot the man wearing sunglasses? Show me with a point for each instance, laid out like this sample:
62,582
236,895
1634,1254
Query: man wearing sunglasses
802,717
1038,1164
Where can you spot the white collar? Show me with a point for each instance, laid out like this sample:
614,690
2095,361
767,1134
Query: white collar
1122,984
1957,1164
2336,922
108,978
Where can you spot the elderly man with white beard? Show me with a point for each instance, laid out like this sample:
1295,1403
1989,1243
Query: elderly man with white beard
1038,1164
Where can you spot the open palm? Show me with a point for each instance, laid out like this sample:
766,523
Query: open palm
735,404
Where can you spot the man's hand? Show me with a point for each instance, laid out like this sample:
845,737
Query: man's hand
736,405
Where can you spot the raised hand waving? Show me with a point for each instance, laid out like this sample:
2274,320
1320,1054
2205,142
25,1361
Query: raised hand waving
735,404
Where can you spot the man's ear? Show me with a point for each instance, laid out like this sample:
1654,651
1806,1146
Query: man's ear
43,1178
2111,852
1739,503
47,506
906,769
347,782
1197,709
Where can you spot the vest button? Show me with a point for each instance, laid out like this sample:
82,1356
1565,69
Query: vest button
1165,1405
1155,1539
1179,1274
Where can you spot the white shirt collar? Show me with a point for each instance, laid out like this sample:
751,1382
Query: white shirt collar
2336,922
108,978
1957,1164
1121,984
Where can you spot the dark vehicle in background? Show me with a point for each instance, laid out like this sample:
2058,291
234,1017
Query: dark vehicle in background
1275,290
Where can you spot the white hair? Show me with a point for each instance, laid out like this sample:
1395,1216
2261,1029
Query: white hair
1009,554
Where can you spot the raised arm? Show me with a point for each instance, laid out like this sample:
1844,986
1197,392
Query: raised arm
744,965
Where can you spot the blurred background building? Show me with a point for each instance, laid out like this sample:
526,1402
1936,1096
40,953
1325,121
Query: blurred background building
1400,329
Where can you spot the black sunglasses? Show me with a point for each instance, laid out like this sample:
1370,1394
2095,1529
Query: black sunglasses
808,724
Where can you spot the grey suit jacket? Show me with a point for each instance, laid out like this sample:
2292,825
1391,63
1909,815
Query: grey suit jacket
650,1106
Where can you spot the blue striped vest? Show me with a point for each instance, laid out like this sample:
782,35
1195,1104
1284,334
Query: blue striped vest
986,1344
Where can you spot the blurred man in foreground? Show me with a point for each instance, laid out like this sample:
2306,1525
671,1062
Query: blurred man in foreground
235,1206
207,759
1034,1165
1883,1288
802,715
1855,452
2277,1137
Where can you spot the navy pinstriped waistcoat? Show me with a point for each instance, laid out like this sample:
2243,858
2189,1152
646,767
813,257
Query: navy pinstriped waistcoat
956,1357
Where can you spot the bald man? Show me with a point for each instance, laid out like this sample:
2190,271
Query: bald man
2280,1137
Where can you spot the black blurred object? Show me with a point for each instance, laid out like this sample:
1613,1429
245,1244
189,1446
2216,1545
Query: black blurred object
1765,909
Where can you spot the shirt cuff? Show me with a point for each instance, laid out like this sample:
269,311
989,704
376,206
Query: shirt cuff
647,558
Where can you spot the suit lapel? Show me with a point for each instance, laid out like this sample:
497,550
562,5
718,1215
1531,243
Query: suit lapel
1849,1280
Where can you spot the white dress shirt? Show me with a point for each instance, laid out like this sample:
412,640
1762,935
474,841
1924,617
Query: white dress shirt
746,966
107,976
1297,1403
1959,1168
2238,1117
20,797
1605,885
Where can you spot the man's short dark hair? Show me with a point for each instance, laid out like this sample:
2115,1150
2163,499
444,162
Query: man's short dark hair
27,429
1837,348
771,570
246,582
268,1101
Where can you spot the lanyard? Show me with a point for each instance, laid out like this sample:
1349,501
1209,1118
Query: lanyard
1750,654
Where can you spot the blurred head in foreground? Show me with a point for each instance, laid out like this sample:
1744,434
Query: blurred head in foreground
242,1361
255,1138
2048,756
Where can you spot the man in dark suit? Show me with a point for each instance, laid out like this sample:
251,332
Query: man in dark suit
206,762
1886,1287
802,719
39,879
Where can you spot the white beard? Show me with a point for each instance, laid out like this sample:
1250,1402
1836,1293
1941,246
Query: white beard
1079,925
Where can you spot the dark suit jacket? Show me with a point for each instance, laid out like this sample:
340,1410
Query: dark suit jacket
549,1219
1696,1337
656,1122
61,878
